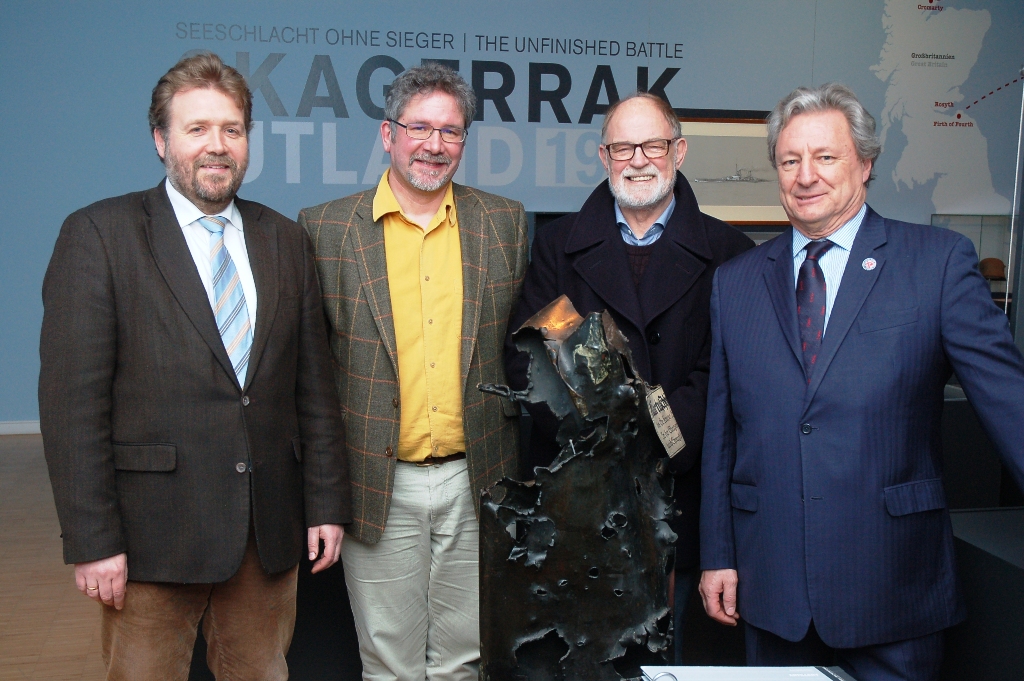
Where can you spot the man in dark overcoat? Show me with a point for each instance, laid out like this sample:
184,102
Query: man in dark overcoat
640,248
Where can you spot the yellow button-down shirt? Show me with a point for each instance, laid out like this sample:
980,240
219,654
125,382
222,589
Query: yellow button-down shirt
425,281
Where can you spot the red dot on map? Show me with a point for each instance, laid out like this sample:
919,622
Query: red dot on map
958,115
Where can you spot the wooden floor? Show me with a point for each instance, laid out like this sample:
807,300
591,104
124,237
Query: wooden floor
48,630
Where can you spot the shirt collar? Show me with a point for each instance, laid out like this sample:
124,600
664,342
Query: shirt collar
842,237
652,234
187,212
385,202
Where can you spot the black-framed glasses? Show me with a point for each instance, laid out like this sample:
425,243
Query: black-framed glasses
422,131
624,151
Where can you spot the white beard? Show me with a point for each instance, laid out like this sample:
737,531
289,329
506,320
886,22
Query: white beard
641,195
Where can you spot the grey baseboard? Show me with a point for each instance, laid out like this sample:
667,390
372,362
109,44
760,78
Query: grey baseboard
19,427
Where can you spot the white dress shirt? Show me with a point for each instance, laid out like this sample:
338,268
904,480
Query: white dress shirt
198,239
833,263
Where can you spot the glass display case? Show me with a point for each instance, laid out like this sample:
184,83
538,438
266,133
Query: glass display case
991,237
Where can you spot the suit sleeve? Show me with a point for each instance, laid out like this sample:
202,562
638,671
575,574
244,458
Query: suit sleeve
326,488
522,254
977,340
717,544
78,356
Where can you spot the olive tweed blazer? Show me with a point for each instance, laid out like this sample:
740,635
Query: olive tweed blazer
351,263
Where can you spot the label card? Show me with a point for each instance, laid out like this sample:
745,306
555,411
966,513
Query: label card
664,421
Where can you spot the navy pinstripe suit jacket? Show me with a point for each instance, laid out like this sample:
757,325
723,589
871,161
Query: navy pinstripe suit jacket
828,497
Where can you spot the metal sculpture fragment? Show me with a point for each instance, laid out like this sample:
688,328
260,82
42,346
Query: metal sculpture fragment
574,565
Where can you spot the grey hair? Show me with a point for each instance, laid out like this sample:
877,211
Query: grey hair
424,80
827,97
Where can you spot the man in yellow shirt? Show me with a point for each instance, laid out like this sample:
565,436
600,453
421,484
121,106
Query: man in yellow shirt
419,276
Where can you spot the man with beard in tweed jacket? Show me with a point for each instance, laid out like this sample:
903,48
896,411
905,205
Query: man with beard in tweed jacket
419,276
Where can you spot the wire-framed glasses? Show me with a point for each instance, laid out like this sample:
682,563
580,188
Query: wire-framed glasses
422,131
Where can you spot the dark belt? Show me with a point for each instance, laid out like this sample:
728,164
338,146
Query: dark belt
438,460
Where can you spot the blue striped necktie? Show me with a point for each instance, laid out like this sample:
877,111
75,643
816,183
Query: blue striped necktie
229,299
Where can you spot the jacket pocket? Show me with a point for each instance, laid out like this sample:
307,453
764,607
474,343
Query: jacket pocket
159,458
915,497
744,497
297,448
888,319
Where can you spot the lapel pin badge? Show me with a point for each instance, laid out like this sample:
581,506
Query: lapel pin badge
869,264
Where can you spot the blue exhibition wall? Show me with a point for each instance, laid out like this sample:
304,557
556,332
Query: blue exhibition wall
75,78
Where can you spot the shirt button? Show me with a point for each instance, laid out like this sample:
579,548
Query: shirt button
426,278
240,467
430,321
431,365
394,402
654,338
433,408
388,452
805,429
245,401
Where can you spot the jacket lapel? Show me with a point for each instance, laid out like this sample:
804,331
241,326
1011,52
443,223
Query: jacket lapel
368,242
261,246
854,288
602,262
679,256
473,238
781,283
174,260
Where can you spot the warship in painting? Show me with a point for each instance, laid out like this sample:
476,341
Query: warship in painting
574,564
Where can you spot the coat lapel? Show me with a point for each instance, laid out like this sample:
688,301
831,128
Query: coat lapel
781,283
368,242
261,246
854,288
473,238
679,256
602,262
174,260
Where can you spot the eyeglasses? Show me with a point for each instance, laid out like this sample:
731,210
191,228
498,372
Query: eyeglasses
624,151
422,131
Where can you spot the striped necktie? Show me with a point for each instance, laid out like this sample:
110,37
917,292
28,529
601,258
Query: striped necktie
229,306
810,303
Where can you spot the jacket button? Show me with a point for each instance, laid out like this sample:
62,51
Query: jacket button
245,401
389,452
240,467
394,402
805,429
654,338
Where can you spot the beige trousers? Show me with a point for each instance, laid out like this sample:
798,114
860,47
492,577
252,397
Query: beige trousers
415,594
248,626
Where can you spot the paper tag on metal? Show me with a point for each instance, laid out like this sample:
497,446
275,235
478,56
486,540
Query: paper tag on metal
664,421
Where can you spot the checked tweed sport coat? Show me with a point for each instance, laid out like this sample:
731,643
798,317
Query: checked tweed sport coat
353,272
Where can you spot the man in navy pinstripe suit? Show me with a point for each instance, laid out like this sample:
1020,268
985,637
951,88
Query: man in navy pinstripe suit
823,519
